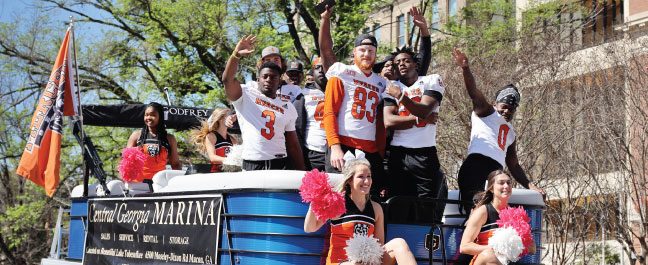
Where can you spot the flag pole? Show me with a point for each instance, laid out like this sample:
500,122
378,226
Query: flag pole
80,116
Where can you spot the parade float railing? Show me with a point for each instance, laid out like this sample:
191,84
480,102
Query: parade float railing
260,221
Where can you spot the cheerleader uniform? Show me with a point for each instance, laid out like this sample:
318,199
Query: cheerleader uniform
156,155
487,229
353,222
222,146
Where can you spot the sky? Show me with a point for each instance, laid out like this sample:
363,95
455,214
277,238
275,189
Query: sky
11,9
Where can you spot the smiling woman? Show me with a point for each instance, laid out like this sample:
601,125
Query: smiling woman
154,141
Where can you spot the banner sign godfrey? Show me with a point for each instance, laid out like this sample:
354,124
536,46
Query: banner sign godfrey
152,230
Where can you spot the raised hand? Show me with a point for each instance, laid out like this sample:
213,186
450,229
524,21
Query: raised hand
327,14
245,45
417,17
460,58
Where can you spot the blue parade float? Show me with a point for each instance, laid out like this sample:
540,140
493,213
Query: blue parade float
244,218
261,221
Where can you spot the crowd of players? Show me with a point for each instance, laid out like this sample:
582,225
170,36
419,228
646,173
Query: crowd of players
356,106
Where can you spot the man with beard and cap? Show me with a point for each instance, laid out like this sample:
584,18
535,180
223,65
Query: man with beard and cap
492,139
352,116
411,110
385,67
267,122
310,113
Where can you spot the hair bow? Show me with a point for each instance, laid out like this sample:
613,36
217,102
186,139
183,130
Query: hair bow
348,156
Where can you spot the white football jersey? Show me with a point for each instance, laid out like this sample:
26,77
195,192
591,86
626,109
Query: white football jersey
421,134
263,122
491,136
362,94
315,133
285,92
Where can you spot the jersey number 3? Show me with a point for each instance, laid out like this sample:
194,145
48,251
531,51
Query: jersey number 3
268,132
501,138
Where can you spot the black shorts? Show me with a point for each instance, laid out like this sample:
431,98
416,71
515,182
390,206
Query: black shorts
473,175
315,160
277,163
414,172
377,168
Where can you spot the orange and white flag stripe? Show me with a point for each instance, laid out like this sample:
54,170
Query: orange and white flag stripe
40,161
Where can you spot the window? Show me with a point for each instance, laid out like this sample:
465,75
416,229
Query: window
401,30
452,7
376,32
435,16
599,26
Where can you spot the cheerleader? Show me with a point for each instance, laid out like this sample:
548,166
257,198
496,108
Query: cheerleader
159,146
363,217
483,220
212,139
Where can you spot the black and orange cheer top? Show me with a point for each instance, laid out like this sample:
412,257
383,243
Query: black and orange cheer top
353,222
156,159
222,146
488,228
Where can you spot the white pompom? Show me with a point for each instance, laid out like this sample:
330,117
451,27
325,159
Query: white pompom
506,244
234,157
364,249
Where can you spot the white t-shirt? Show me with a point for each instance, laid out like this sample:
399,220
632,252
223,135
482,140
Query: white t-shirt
263,122
357,114
315,133
422,134
285,92
491,136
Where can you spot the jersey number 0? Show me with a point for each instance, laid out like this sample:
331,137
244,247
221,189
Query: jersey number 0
501,137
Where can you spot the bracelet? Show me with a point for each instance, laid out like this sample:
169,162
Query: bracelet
401,97
417,121
235,57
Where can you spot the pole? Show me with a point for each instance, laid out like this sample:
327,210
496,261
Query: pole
83,140
602,241
166,92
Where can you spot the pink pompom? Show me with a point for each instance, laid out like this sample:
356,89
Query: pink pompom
131,165
317,190
517,218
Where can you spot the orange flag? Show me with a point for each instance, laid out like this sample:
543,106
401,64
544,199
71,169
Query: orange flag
40,161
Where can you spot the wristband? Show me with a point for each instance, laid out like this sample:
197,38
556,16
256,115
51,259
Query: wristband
235,57
417,121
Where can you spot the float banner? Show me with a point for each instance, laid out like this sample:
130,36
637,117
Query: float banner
132,116
153,230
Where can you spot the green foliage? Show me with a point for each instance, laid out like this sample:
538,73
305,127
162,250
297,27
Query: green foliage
19,218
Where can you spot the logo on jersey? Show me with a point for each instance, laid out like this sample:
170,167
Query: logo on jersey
440,82
227,150
361,229
152,149
285,106
350,72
